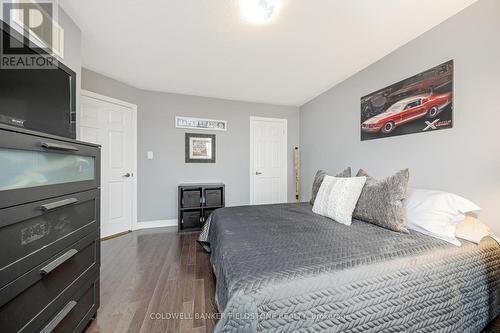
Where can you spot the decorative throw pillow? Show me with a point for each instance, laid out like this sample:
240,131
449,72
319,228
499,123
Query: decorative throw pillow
472,229
382,201
318,179
337,198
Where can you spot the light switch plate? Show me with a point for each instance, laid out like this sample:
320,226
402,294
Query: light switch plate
150,155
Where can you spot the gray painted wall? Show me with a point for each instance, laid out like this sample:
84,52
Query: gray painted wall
106,86
158,178
465,159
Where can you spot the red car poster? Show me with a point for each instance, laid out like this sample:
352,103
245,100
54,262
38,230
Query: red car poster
422,103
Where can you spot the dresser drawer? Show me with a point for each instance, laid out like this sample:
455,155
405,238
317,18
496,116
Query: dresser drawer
36,167
77,312
34,232
30,301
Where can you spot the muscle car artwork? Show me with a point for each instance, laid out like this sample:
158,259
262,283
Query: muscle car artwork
406,110
421,103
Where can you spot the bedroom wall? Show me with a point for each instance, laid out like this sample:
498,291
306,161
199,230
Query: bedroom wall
158,178
465,159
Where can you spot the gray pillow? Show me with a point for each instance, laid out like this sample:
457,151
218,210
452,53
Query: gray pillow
318,180
382,201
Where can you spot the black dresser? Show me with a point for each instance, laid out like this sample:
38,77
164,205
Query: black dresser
49,232
197,202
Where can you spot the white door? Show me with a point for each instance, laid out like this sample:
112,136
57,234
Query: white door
268,155
110,125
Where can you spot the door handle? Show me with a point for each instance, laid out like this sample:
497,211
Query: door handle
258,173
127,175
57,204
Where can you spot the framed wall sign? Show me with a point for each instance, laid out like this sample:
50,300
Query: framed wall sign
421,103
200,148
198,123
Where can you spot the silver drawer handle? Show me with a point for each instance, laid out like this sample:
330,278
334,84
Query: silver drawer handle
57,204
59,317
58,262
58,146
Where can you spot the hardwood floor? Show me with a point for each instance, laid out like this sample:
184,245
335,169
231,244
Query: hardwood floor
148,277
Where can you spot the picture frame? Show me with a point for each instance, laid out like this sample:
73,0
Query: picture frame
200,148
419,104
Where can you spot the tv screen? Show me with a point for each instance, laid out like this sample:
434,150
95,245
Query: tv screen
37,99
40,99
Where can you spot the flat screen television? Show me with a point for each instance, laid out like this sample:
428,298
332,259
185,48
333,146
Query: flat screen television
38,99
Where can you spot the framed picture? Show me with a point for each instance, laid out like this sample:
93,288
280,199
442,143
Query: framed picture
421,103
200,148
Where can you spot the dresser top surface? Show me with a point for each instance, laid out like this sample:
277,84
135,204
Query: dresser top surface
4,127
201,185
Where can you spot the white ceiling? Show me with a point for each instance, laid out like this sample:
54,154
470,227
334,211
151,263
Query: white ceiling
206,48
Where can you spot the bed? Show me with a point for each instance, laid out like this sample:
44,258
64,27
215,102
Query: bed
282,268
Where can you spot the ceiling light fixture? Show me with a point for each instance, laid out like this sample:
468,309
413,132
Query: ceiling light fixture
259,11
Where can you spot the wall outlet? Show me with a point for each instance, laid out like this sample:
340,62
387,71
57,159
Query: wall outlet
150,155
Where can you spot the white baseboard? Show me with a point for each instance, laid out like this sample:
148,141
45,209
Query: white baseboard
156,224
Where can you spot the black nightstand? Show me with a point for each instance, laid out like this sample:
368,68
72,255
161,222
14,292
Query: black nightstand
197,202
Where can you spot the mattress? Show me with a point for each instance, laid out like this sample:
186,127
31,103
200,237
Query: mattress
282,268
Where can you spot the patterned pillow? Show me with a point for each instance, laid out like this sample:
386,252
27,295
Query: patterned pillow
382,201
318,179
337,198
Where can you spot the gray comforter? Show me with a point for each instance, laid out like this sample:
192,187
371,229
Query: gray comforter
282,268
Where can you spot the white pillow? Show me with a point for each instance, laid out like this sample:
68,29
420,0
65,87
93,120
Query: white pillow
337,198
436,213
443,232
472,229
